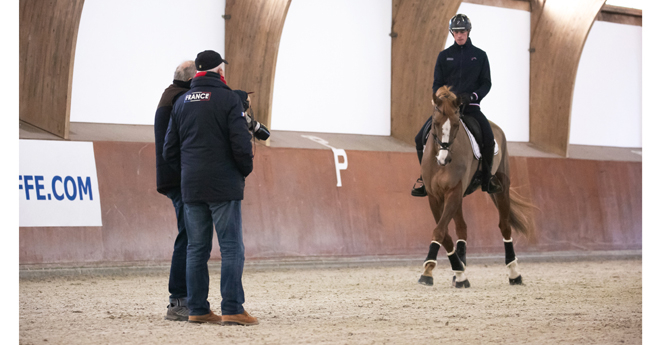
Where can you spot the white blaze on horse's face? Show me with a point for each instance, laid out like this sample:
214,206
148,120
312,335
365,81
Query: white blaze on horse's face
442,154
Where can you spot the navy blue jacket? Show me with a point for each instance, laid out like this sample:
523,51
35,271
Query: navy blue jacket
166,177
465,68
209,140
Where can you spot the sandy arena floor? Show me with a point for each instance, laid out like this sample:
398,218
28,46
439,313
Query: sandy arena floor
597,302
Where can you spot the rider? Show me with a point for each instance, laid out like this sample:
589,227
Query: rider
466,70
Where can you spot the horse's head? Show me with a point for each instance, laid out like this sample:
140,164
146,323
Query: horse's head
445,123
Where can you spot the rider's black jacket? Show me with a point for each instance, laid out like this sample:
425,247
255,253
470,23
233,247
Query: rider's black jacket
465,68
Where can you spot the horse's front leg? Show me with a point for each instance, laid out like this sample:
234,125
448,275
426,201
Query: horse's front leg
452,200
461,233
437,207
454,210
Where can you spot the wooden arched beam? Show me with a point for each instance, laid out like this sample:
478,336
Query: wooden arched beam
47,44
559,31
252,39
419,33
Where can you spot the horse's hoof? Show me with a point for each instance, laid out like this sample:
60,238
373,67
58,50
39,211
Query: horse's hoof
460,285
516,281
426,280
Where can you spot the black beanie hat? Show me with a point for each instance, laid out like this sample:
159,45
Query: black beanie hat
207,60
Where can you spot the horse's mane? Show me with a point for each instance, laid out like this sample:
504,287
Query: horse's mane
446,100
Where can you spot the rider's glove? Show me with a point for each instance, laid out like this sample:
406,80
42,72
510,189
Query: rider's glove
464,98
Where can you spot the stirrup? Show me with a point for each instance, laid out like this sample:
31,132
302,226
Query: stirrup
492,186
419,191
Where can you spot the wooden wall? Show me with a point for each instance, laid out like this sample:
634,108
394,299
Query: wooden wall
512,4
620,15
47,44
419,29
559,31
293,208
252,39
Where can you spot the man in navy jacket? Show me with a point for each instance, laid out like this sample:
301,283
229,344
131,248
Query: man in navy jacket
465,68
209,142
168,182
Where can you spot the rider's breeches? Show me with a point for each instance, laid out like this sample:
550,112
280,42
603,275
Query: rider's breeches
474,111
419,138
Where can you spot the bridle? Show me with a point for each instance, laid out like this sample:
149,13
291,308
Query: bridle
441,144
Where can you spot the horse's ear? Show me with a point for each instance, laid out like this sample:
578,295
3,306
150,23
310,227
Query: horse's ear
456,102
436,100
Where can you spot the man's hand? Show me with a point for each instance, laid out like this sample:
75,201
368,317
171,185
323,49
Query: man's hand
467,98
464,99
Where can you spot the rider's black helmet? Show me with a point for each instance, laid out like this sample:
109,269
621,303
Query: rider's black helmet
460,22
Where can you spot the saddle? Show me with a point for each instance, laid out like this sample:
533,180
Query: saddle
474,133
473,130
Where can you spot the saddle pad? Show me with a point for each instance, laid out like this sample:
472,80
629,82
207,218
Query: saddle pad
475,146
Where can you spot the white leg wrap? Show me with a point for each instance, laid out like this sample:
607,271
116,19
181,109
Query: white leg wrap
435,262
452,252
460,276
513,269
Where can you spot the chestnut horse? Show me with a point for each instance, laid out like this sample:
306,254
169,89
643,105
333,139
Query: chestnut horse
448,165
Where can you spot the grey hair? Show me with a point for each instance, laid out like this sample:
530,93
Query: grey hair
185,71
215,69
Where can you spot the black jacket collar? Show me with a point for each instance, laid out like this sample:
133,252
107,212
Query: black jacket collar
181,83
468,44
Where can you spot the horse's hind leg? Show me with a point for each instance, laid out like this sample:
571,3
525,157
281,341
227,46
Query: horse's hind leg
461,233
503,204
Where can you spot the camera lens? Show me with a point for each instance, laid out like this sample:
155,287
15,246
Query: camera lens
261,132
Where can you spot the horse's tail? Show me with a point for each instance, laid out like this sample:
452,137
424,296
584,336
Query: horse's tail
521,217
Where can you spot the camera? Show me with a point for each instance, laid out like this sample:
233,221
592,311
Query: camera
258,130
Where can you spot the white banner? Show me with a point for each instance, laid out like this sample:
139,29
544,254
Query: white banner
57,184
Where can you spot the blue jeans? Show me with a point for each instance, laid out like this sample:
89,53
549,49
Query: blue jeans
200,218
177,285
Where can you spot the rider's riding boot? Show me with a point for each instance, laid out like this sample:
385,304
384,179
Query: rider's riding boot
421,190
489,182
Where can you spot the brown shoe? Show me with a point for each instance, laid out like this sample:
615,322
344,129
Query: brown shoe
244,319
208,318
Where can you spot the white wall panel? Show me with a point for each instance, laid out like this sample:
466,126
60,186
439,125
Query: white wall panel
334,68
607,99
504,35
127,52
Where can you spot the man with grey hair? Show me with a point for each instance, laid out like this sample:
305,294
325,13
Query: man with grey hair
185,72
168,183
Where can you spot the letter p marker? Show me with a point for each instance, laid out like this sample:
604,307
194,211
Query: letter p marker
340,166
